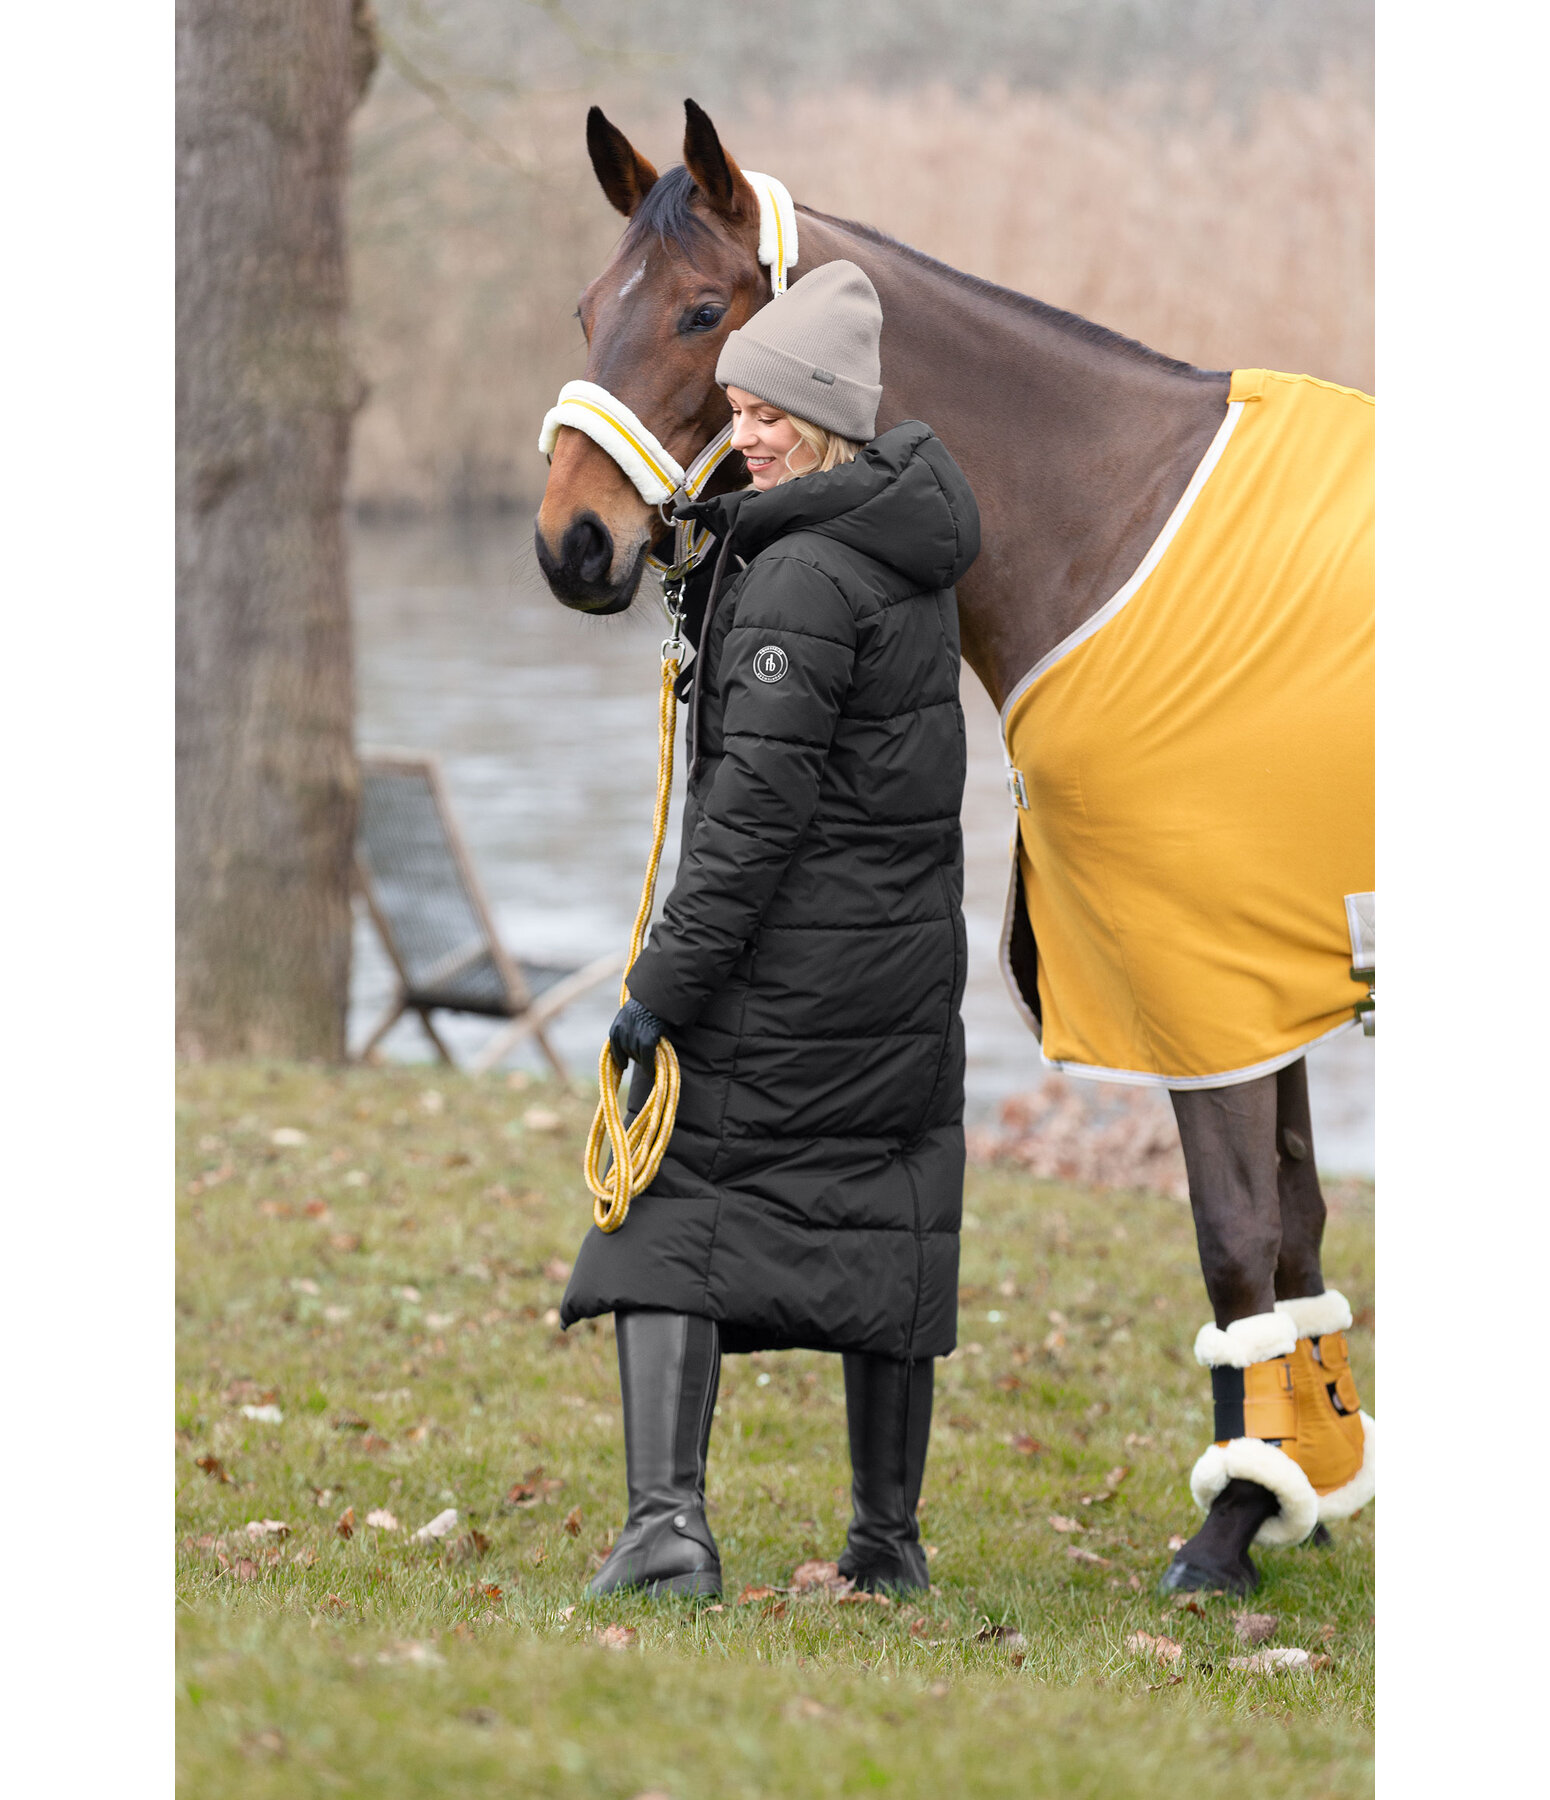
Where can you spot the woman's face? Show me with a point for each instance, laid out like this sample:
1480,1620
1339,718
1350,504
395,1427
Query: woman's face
764,435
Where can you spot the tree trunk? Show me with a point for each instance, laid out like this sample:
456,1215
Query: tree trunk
266,394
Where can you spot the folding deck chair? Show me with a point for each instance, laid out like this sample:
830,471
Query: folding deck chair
418,881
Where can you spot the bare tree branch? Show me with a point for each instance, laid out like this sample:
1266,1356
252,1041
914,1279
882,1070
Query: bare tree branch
462,122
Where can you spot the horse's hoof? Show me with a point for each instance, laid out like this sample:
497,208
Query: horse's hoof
1320,1538
1181,1577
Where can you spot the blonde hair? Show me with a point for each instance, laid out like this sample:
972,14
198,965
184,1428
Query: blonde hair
828,449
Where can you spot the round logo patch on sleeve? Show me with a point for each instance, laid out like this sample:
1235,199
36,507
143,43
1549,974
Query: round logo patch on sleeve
769,664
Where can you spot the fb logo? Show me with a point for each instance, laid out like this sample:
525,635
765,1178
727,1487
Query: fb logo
769,664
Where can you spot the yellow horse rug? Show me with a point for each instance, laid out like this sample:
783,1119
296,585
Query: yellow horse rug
1194,767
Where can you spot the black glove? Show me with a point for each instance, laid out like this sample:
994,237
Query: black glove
633,1035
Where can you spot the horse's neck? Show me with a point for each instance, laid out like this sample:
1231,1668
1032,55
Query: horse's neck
1077,449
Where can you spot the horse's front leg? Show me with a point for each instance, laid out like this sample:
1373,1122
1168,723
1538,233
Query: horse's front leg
1251,1487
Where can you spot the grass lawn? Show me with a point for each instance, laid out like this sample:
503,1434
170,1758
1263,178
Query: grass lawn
370,1262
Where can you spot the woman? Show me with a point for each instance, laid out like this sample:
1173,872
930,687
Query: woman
808,966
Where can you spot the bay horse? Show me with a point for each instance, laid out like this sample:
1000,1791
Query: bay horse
1078,444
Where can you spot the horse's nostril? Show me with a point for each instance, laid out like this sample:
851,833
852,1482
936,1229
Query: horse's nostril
587,549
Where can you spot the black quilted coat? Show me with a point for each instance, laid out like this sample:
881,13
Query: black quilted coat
809,961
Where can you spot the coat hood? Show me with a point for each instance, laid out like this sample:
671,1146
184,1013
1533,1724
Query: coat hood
903,501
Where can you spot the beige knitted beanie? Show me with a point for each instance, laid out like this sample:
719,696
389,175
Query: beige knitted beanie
812,351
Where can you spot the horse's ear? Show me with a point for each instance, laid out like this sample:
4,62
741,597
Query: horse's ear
622,172
715,174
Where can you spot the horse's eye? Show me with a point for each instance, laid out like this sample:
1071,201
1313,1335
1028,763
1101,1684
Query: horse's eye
705,317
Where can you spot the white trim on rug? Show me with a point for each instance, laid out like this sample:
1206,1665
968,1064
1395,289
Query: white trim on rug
1228,1077
1147,564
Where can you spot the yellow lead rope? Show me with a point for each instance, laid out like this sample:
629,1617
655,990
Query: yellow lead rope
638,1151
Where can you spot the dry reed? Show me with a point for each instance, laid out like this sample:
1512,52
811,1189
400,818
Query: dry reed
1228,243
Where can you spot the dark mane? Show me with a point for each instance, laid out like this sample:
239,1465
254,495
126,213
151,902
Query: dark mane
665,213
1072,323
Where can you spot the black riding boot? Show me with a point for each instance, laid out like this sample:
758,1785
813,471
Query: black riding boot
888,1410
669,1369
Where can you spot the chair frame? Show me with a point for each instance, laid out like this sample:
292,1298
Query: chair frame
528,1017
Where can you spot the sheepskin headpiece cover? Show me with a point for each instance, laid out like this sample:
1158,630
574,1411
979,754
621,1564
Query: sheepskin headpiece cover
813,351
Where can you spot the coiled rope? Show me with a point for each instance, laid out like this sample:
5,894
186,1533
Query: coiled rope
638,1151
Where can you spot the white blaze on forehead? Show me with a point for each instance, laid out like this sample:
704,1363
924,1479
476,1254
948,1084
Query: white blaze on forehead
633,281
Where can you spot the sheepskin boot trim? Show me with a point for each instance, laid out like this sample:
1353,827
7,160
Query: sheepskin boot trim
1251,1459
1245,1341
1315,1314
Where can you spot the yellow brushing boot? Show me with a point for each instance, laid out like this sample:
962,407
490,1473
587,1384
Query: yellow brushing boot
1253,1385
1334,1444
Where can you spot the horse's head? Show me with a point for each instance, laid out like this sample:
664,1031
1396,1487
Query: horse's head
685,273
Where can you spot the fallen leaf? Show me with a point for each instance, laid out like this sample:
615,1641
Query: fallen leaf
246,1569
1264,1662
1254,1628
1008,1636
264,1415
357,1178
1188,1603
751,1593
1135,1440
615,1637
213,1467
273,1209
287,1137
344,1240
1325,1634
1165,1649
537,1557
431,1101
860,1597
304,1284
573,1522
484,1591
257,1528
344,1525
316,1209
1009,1384
469,1548
552,1317
919,1628
411,1650
1087,1556
540,1118
819,1577
305,1557
1158,1686
269,1743
962,1422
1176,1542
380,1519
1061,1523
334,1602
804,1706
938,1690
349,1421
1027,1446
443,1525
556,1270
374,1445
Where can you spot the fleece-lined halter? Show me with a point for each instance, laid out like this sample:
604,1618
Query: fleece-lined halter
657,475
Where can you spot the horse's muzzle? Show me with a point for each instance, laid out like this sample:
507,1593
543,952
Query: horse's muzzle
579,575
